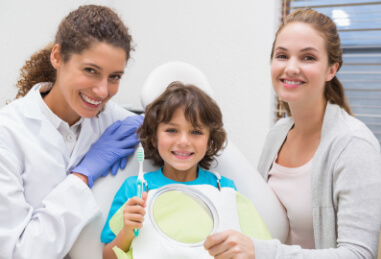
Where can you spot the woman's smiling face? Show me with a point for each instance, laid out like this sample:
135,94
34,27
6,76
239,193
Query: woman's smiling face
86,81
299,66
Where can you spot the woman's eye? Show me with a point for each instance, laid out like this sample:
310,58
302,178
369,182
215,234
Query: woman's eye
281,56
309,58
90,70
116,77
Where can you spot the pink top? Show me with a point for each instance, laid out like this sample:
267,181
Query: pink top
293,188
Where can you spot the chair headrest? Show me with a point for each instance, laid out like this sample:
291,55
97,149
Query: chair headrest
158,80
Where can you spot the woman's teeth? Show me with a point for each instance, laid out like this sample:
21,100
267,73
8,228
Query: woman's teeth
292,82
91,101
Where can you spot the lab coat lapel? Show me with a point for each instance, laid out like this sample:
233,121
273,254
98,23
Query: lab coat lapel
47,132
88,135
53,138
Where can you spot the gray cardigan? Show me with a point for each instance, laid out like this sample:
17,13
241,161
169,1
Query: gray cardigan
346,189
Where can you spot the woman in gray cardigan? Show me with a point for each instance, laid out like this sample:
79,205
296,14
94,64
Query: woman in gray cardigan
323,164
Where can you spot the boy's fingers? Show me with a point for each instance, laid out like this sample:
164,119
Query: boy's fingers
144,196
136,201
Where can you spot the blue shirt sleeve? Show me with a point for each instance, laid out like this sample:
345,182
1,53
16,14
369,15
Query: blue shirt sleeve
126,191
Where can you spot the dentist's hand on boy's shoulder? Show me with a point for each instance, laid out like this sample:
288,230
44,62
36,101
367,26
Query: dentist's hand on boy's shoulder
133,216
128,127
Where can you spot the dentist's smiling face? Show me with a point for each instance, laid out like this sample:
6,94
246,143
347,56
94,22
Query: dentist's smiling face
299,66
181,146
86,81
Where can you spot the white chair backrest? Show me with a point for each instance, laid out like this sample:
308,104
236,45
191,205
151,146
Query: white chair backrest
231,163
163,75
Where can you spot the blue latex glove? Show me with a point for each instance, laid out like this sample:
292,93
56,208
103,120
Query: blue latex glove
117,165
121,163
116,143
131,121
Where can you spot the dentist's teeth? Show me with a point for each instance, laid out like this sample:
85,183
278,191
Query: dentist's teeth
88,100
293,82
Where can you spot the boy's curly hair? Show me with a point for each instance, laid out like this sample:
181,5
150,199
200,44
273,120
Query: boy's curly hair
199,109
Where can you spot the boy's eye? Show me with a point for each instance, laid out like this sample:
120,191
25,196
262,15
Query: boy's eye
170,130
197,132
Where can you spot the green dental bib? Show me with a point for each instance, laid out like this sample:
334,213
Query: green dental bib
180,217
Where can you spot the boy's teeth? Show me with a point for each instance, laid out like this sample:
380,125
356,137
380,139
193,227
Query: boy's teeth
293,82
90,100
181,154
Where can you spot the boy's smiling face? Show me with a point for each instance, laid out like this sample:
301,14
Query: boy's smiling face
181,146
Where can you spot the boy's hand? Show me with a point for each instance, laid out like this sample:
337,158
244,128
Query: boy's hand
133,216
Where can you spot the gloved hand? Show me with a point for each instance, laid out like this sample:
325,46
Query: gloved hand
116,144
131,121
119,164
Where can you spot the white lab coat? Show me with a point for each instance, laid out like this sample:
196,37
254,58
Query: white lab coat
42,207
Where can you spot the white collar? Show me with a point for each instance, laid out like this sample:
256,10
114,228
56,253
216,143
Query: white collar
51,116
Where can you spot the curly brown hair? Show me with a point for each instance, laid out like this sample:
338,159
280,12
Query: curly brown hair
77,32
199,109
334,90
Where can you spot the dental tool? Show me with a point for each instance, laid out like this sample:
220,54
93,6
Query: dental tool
140,181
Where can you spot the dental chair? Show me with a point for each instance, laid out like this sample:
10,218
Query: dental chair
231,163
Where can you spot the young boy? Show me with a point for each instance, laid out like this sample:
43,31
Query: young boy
182,133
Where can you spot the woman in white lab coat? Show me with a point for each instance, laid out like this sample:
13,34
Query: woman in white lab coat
55,139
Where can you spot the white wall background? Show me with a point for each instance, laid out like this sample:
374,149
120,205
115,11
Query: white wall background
229,40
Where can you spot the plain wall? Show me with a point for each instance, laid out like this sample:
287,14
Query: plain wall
229,40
